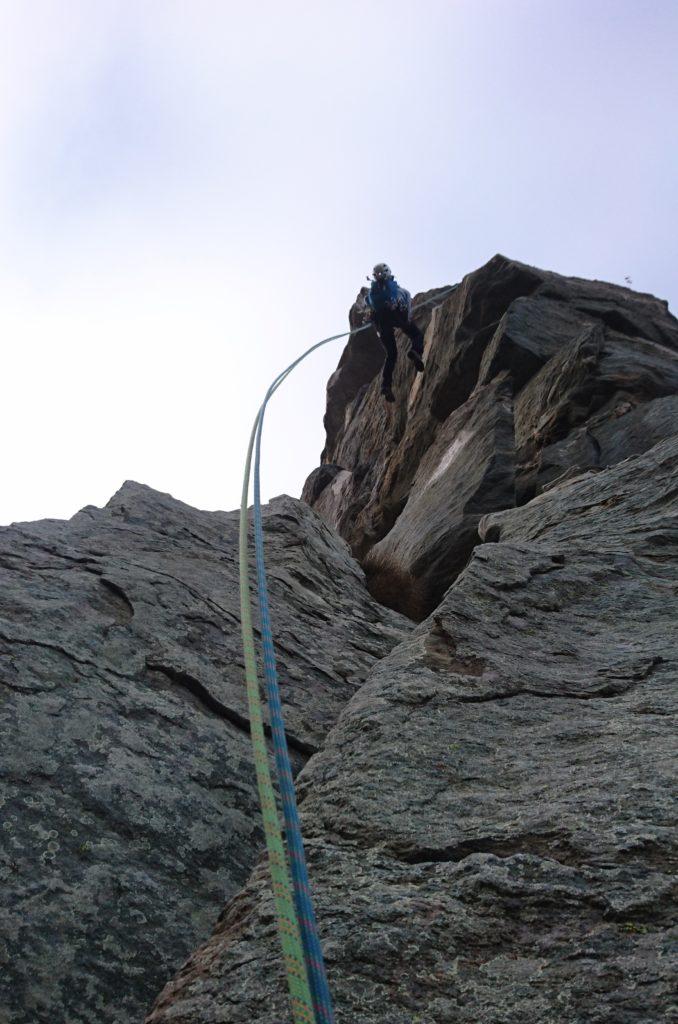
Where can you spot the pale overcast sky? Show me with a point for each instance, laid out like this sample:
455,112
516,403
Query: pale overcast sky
192,193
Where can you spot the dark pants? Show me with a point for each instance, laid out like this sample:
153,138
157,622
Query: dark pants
386,322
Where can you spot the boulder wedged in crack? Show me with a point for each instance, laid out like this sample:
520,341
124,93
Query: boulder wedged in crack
128,797
490,823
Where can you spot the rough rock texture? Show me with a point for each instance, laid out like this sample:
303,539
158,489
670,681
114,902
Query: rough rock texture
599,375
490,823
619,432
491,829
469,469
128,806
359,364
489,819
573,349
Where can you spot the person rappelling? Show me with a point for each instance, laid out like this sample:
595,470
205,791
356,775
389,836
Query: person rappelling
390,307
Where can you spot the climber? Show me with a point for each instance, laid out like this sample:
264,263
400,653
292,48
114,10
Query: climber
389,306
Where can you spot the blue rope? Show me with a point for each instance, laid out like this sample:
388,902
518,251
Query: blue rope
322,1000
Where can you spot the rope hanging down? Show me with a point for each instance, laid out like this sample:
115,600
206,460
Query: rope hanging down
288,925
310,998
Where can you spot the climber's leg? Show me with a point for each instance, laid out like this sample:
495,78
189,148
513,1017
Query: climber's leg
387,337
413,332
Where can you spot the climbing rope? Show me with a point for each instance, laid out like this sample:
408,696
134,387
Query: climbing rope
310,997
288,925
297,927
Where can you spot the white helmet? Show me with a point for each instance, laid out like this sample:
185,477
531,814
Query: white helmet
382,272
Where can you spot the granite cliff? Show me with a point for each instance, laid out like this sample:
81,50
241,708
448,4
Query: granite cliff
129,805
477,613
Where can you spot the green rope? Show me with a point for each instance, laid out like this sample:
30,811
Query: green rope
288,927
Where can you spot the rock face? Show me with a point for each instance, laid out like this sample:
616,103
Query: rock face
578,355
469,469
490,823
487,802
128,801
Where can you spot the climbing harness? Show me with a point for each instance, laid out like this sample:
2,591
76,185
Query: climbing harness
310,998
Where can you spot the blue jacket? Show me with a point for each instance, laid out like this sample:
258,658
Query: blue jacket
388,295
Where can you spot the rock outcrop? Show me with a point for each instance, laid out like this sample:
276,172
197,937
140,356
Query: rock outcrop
579,356
128,801
490,824
468,470
485,765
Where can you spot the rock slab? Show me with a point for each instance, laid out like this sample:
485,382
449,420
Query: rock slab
468,470
127,798
490,824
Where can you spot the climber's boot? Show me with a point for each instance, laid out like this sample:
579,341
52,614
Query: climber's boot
417,360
